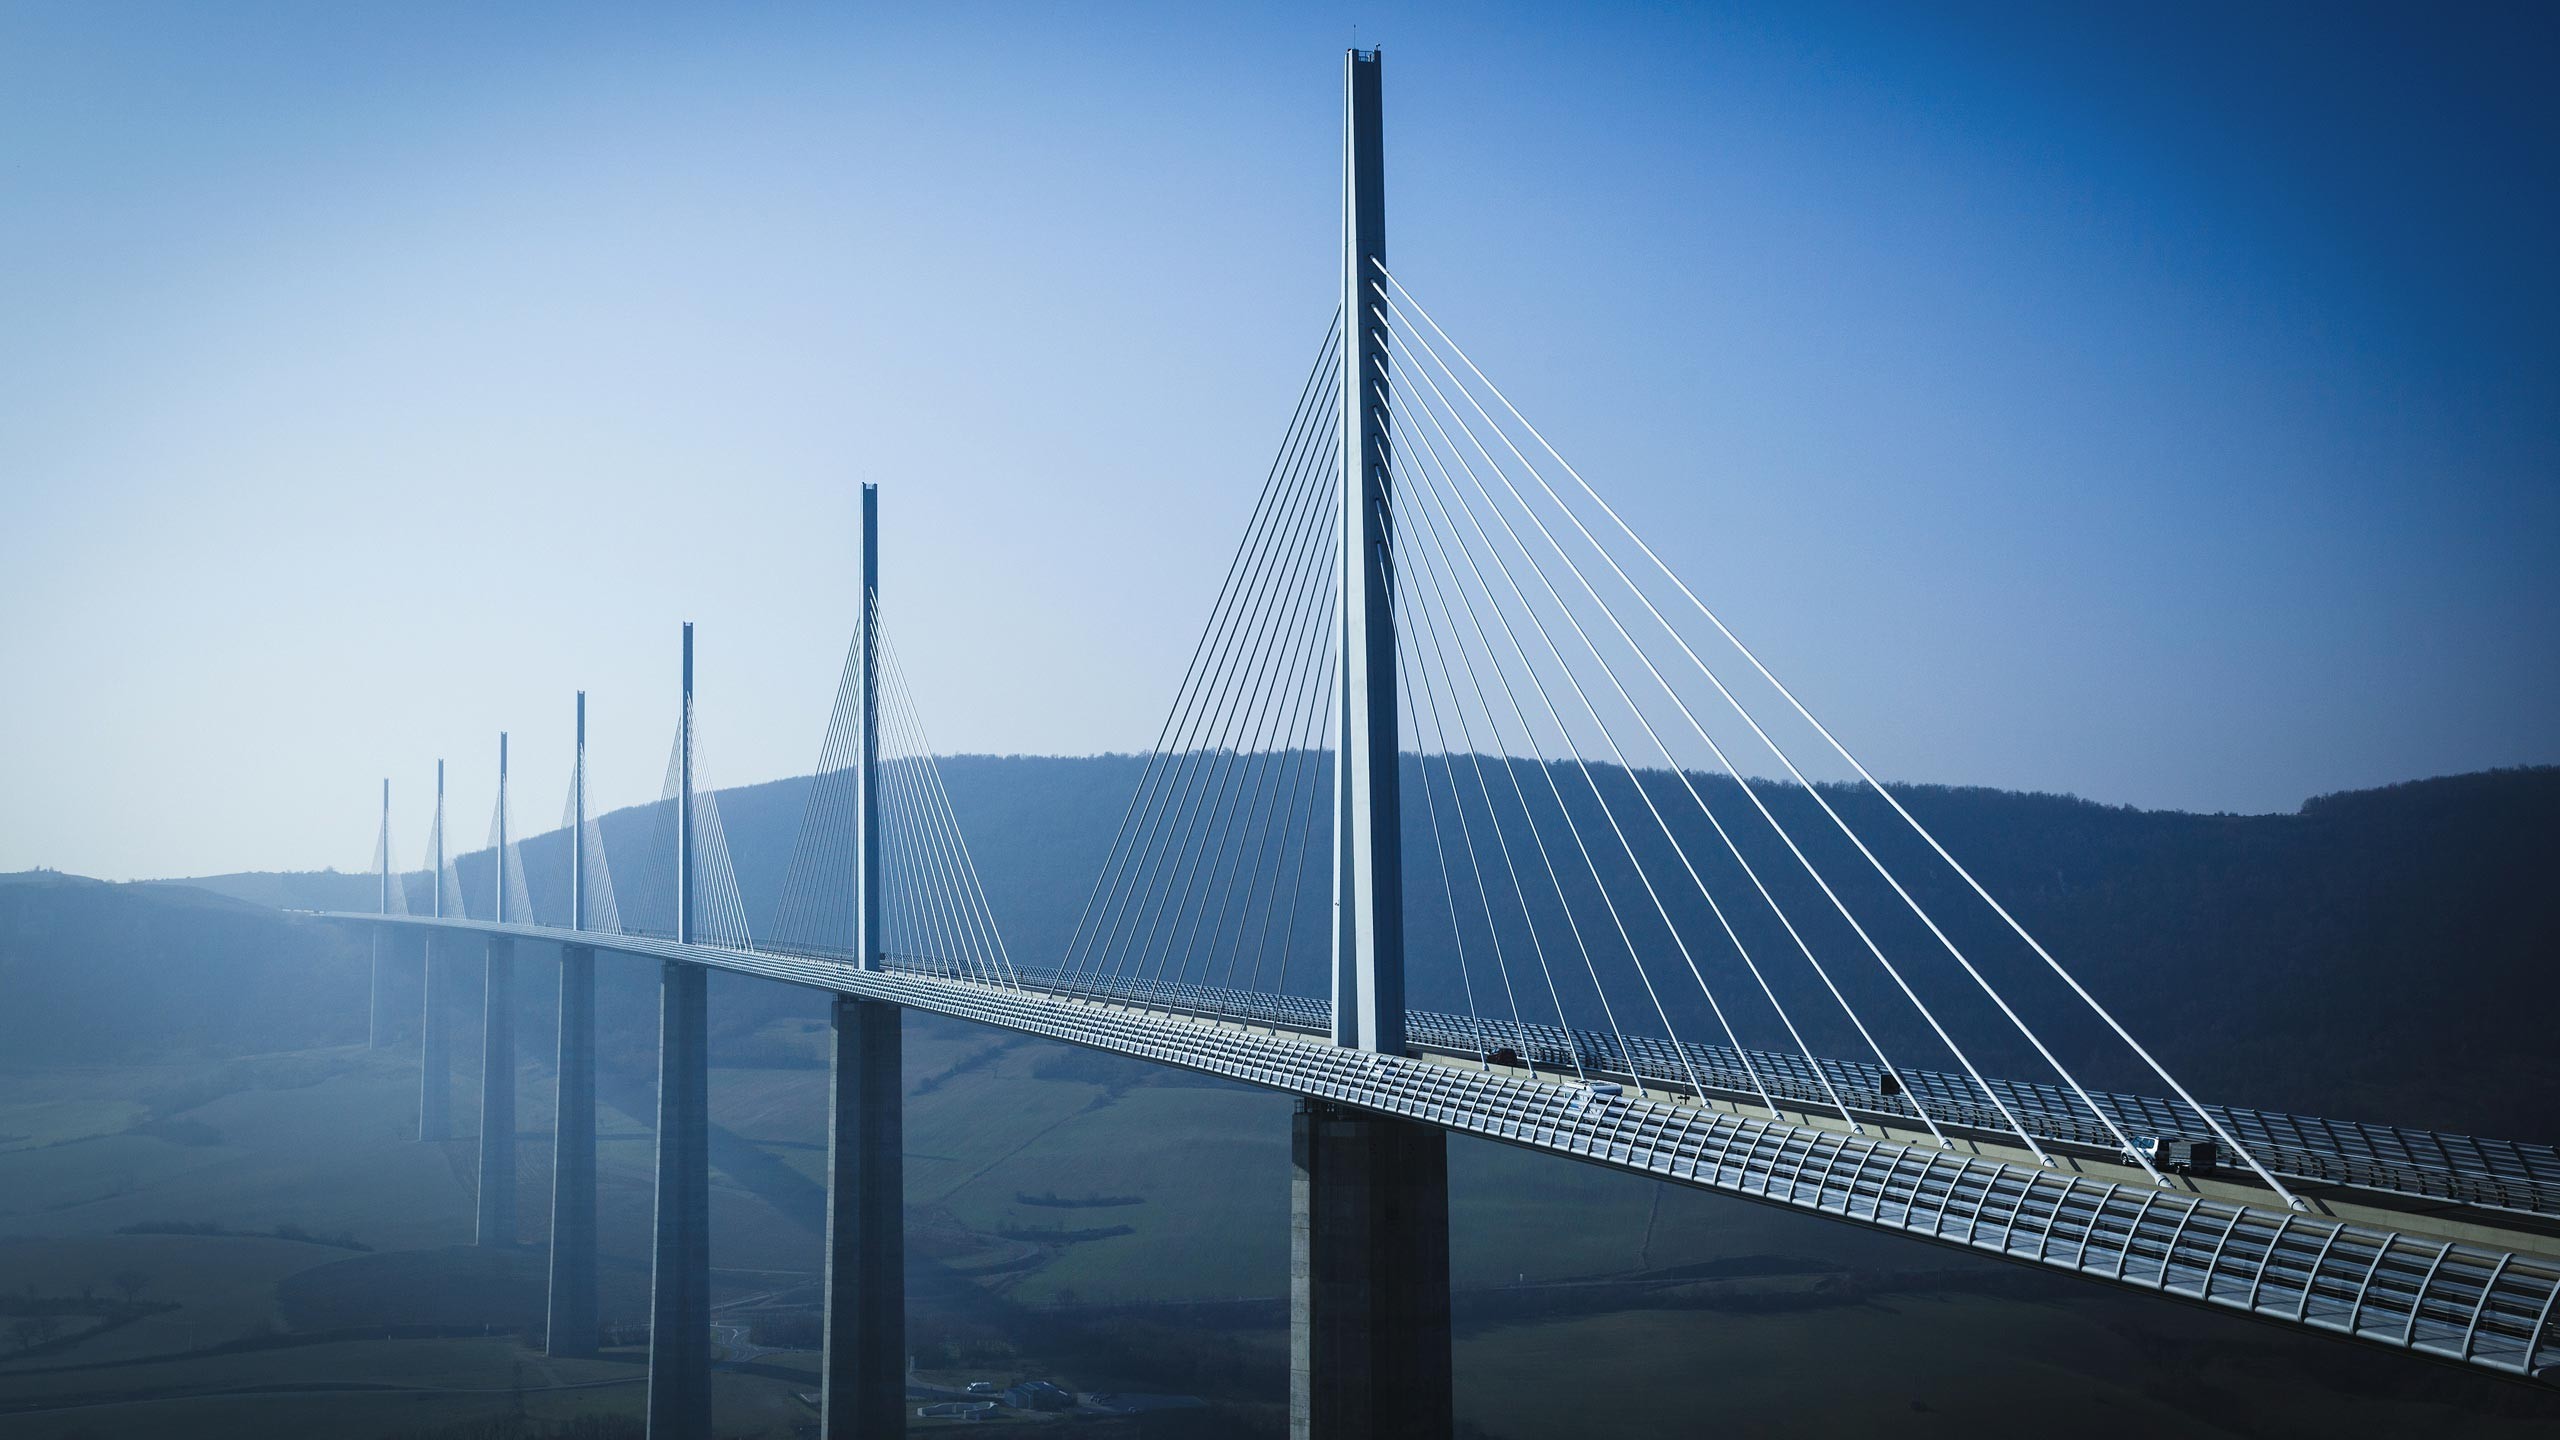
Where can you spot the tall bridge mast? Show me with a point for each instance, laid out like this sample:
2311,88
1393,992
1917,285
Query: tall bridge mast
435,1052
867,939
373,995
1368,939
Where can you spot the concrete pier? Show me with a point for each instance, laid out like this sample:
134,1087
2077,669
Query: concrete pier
863,1380
571,1328
1368,1277
435,1055
382,903
497,1224
680,1266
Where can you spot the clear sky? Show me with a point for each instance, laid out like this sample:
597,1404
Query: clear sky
2157,404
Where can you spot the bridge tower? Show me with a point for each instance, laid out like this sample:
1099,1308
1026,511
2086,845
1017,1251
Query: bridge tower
373,992
570,1326
1368,870
863,1384
497,1190
1369,1195
680,1252
866,915
435,1042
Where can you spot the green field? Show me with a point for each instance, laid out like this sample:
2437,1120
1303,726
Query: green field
365,1388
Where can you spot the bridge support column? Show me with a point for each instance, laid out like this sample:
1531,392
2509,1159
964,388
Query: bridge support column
498,1098
864,1370
1368,1277
435,1055
382,903
680,1266
435,1042
572,1322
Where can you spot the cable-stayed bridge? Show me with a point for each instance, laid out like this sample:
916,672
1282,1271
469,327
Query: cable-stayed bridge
1456,824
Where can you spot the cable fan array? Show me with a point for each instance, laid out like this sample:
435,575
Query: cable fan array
393,892
506,844
1215,876
1554,692
595,876
444,880
935,916
1593,871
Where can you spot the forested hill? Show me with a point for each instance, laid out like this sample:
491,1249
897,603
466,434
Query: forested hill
93,972
2389,954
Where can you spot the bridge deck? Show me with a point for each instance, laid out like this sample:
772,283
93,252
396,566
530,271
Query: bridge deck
2384,1160
2448,1285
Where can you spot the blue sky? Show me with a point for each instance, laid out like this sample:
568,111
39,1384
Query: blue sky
2156,404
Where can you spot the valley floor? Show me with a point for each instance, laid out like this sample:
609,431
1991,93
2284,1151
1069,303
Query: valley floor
260,1247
